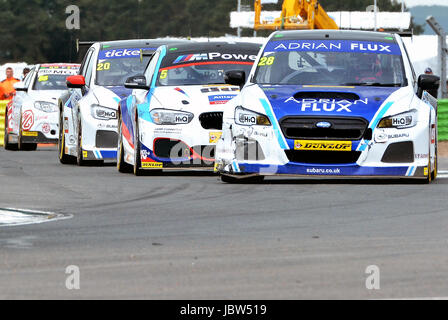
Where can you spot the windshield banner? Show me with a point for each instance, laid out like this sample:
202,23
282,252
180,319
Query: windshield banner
122,53
334,46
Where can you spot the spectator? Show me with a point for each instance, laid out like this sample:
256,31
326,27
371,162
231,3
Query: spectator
25,72
7,90
428,71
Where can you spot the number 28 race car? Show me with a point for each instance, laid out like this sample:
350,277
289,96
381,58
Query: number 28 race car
176,120
33,115
331,104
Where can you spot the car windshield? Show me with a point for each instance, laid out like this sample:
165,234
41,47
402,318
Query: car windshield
202,69
115,66
50,82
331,62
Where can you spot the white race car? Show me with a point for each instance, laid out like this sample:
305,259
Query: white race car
331,104
175,121
33,115
89,110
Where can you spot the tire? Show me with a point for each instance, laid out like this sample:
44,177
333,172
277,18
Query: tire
24,146
79,157
250,180
63,157
137,156
122,166
6,144
429,179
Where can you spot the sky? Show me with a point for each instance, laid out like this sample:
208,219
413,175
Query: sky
412,3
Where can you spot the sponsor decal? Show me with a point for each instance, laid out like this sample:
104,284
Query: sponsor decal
84,154
398,136
214,56
181,91
313,145
220,99
320,171
425,171
327,105
421,156
46,128
152,165
433,134
27,120
215,89
334,46
121,53
215,136
144,154
45,72
30,134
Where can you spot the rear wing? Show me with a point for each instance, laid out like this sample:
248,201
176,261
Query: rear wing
80,44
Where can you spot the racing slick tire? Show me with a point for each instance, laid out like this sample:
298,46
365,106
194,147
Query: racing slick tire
7,145
63,157
24,146
249,180
122,166
80,158
137,156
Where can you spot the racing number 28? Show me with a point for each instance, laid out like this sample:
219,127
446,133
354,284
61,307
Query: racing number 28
266,61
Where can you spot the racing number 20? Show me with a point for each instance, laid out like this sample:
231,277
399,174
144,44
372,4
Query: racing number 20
103,66
266,61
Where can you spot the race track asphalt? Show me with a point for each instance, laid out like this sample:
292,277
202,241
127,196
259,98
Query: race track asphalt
190,236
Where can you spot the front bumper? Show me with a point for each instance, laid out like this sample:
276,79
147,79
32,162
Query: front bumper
177,146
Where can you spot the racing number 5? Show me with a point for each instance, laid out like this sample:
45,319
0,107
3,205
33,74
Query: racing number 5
163,74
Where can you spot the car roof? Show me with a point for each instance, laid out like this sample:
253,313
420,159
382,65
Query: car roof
214,45
333,34
138,43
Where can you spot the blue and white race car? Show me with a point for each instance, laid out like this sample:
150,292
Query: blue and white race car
176,120
331,104
88,117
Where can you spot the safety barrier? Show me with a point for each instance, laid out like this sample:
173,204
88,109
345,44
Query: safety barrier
443,120
2,120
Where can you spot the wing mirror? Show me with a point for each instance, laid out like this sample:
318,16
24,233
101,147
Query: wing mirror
235,78
429,83
76,82
136,82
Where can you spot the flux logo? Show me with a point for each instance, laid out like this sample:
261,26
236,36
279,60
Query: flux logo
27,120
327,105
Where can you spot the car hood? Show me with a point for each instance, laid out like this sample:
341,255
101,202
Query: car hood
51,96
195,98
362,102
110,96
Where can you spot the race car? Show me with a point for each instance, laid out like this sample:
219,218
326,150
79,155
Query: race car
33,115
173,119
88,116
323,103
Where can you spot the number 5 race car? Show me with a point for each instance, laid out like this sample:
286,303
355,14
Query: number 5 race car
176,120
89,110
331,104
33,115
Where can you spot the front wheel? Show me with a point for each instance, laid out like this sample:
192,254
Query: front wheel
122,166
137,155
63,157
8,146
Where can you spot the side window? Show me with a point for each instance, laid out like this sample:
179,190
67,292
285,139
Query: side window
28,77
89,69
85,62
414,75
151,68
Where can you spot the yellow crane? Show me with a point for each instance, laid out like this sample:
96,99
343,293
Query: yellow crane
296,14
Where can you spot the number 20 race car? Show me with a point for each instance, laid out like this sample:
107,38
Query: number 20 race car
176,120
331,104
33,115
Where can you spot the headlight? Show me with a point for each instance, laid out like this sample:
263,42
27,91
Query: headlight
103,113
170,117
400,121
247,117
46,106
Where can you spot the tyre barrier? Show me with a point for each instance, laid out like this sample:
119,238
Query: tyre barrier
3,104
